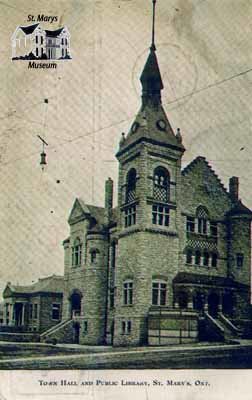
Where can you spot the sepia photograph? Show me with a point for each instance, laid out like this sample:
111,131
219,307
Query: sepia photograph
126,175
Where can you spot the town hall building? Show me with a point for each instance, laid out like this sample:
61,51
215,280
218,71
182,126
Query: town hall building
171,263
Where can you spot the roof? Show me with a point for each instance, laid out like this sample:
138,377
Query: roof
151,77
188,277
151,123
148,130
55,33
98,214
239,209
29,29
53,284
95,214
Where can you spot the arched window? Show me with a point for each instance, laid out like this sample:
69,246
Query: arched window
205,259
197,257
189,256
131,186
161,184
76,253
128,293
202,216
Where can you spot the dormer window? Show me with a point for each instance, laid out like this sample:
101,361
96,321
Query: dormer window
76,253
131,186
161,181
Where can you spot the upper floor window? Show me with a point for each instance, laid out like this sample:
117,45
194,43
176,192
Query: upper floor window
160,215
131,186
41,39
93,255
190,224
130,216
189,256
161,182
197,257
76,252
128,293
213,229
202,216
65,40
56,311
214,260
206,259
239,260
158,293
62,41
36,38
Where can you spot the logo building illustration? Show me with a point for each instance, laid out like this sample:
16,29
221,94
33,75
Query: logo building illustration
34,43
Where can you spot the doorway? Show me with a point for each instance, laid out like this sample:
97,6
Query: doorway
75,304
18,313
228,304
213,303
198,302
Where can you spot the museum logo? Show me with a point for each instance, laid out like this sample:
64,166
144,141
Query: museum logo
33,43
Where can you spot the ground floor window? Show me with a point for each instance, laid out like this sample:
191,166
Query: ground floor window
158,293
56,311
35,311
85,327
126,327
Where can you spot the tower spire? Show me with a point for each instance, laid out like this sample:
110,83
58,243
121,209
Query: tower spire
153,47
151,78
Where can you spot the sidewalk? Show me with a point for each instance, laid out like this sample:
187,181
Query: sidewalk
134,357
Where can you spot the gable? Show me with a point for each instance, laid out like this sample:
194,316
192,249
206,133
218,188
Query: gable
7,292
18,34
201,186
78,213
65,33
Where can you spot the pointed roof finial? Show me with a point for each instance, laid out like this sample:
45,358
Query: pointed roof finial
153,47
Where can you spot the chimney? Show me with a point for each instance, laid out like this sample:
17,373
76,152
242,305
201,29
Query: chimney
234,188
108,198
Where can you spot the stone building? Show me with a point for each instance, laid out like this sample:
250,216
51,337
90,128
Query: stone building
169,264
33,308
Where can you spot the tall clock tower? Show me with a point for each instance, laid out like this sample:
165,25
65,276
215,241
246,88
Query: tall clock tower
149,212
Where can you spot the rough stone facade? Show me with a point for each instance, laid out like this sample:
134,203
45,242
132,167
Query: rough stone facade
178,243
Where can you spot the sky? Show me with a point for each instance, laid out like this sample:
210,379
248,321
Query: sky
204,50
